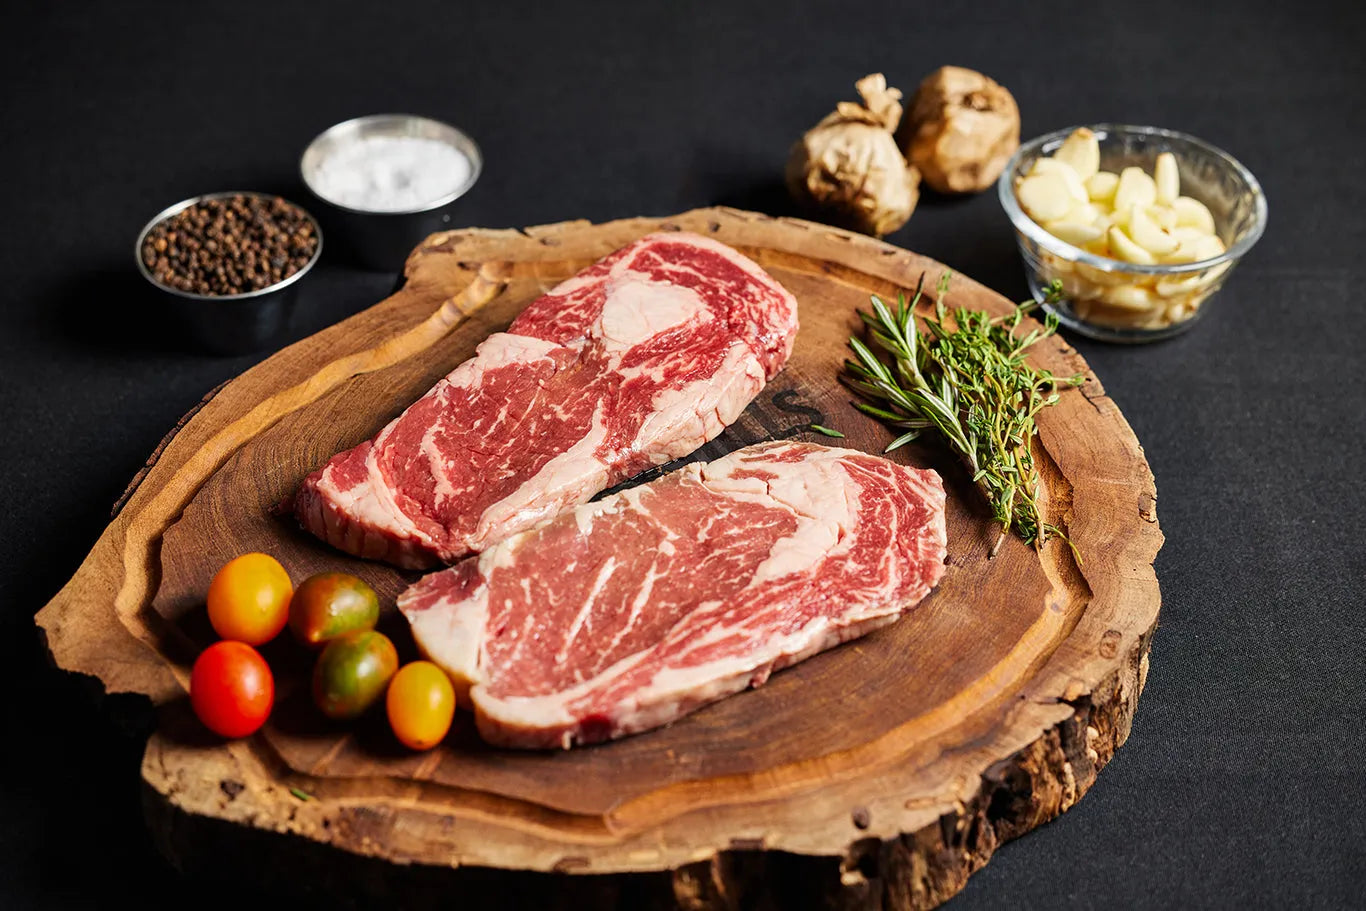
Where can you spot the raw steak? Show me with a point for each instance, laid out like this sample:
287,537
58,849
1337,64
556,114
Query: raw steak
624,614
637,360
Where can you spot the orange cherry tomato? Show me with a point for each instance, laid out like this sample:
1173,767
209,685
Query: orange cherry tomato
231,689
249,599
421,704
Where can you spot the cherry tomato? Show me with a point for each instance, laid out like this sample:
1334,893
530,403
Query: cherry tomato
352,672
329,604
249,599
231,689
421,703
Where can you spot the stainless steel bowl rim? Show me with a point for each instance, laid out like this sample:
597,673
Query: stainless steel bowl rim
1005,189
470,151
248,295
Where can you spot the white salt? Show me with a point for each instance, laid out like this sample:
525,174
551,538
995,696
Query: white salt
391,173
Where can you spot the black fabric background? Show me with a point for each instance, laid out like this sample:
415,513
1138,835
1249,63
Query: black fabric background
1241,784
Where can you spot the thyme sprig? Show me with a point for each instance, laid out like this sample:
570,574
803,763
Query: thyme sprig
967,378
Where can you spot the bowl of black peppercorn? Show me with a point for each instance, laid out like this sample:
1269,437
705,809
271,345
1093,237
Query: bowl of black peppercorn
228,266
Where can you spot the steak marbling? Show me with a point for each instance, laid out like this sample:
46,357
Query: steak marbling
621,615
637,360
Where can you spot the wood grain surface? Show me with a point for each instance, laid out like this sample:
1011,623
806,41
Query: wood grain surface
879,774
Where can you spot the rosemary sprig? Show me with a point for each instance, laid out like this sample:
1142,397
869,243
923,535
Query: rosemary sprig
825,430
968,380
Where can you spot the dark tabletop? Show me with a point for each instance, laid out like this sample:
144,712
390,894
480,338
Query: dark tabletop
1241,783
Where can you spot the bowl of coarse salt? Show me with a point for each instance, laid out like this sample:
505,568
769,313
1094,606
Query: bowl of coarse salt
388,181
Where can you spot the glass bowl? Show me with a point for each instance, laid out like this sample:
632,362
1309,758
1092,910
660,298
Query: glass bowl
1118,301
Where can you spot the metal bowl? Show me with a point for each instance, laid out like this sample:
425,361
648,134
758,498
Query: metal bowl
230,323
383,240
1094,287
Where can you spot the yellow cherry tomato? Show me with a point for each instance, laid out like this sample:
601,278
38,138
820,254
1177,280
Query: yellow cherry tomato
249,599
421,703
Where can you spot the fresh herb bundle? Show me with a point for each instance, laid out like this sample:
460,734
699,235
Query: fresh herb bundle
967,379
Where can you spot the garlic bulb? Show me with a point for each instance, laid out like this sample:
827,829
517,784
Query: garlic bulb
962,129
849,168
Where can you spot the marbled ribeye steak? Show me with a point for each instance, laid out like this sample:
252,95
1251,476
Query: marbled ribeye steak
637,360
623,614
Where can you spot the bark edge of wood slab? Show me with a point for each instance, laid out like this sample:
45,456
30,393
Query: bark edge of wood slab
837,784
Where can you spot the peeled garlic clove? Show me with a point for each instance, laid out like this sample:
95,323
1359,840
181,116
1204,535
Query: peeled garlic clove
1119,317
1128,297
1166,179
1066,172
1101,186
1187,238
1207,247
1149,235
1124,248
1184,252
1052,166
1084,289
1121,217
1175,287
1045,197
1101,277
1087,213
1158,322
1196,300
1135,188
1192,212
1073,232
1081,150
1054,266
1164,216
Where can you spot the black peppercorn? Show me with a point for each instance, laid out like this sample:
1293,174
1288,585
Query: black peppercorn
230,245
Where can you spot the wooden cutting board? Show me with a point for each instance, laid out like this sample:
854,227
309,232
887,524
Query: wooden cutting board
879,774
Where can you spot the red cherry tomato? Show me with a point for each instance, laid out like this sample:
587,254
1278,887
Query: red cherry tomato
231,689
